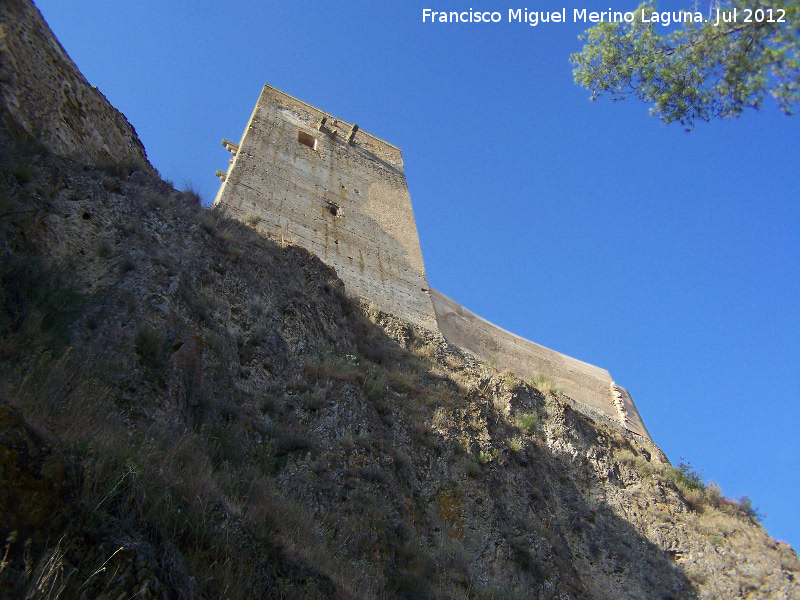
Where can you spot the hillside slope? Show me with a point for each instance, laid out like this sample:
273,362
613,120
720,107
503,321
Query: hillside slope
190,410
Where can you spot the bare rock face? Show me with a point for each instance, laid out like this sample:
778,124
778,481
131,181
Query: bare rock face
46,94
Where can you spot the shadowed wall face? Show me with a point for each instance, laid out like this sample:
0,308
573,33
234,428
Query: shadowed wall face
301,182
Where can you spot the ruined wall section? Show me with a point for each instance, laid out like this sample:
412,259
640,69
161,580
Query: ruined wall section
48,97
347,203
591,387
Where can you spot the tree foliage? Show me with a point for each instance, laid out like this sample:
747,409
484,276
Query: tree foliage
701,70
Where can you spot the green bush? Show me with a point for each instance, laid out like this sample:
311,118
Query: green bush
21,174
511,381
112,184
192,195
515,444
374,384
529,422
748,509
688,477
471,468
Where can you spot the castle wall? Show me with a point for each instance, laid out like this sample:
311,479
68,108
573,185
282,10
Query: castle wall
48,97
591,387
346,203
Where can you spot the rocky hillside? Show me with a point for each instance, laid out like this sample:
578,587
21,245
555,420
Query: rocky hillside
190,410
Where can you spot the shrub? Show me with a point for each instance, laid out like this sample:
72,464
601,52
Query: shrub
347,441
522,554
252,219
542,383
511,381
123,169
126,265
36,302
471,468
104,249
192,195
713,495
372,474
405,383
112,184
333,367
21,174
152,349
529,422
685,476
374,384
402,462
515,444
746,505
423,434
639,463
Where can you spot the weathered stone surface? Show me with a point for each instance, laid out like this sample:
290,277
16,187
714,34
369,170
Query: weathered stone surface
240,429
46,94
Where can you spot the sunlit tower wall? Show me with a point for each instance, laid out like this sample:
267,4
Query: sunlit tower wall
305,177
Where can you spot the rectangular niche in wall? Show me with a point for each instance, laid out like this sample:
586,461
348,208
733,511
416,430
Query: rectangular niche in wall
307,139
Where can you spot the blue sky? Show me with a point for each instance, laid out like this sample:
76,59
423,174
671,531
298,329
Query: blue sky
671,259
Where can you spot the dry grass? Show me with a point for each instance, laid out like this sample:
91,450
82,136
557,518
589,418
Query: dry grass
510,380
516,443
454,363
177,484
542,383
252,219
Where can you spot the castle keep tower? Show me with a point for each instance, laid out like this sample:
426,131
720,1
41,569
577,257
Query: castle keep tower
302,176
307,178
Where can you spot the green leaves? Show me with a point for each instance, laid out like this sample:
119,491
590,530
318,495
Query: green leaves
702,70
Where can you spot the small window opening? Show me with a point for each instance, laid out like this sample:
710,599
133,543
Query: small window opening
307,140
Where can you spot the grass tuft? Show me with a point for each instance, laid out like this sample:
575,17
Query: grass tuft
542,383
528,422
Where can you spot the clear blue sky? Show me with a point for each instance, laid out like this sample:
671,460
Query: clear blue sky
671,259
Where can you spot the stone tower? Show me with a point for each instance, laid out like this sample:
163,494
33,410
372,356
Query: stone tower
305,177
